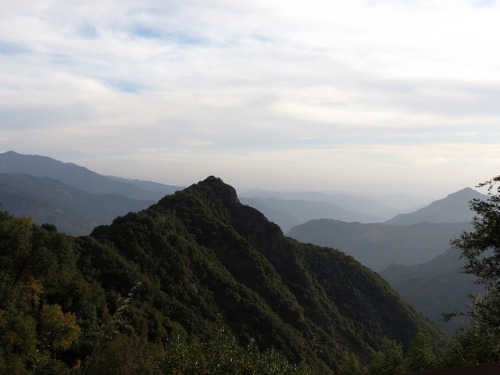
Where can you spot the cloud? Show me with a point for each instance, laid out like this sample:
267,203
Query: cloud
204,82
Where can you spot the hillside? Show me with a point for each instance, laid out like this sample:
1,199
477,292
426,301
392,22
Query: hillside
200,254
78,177
380,245
435,287
73,211
452,209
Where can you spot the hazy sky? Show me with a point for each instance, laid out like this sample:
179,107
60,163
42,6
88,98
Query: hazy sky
372,96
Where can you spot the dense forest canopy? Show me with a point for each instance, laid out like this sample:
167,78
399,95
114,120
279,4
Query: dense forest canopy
196,274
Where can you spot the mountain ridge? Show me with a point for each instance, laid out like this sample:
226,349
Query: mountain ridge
435,287
451,209
72,210
288,213
74,175
377,245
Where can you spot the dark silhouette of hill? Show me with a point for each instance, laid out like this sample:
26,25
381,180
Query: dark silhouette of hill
452,209
76,176
71,210
435,287
379,245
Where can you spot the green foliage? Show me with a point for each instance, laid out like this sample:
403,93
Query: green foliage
38,281
422,356
126,355
388,361
349,365
481,342
223,355
481,247
481,251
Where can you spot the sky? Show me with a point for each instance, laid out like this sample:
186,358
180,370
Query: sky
365,96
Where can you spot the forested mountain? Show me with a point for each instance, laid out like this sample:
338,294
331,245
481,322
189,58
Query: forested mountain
50,201
435,287
78,177
380,245
198,254
452,209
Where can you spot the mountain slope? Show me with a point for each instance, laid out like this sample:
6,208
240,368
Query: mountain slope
379,245
269,287
452,209
435,287
74,175
71,210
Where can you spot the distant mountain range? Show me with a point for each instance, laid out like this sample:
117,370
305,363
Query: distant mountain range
435,287
379,245
71,197
406,239
452,209
410,251
73,211
285,209
289,209
355,204
80,177
288,213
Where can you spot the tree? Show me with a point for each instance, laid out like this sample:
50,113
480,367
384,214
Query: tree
421,356
349,364
481,252
59,330
388,361
481,247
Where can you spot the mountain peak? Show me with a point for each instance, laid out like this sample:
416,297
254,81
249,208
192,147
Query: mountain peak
214,187
465,193
211,196
217,184
452,209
